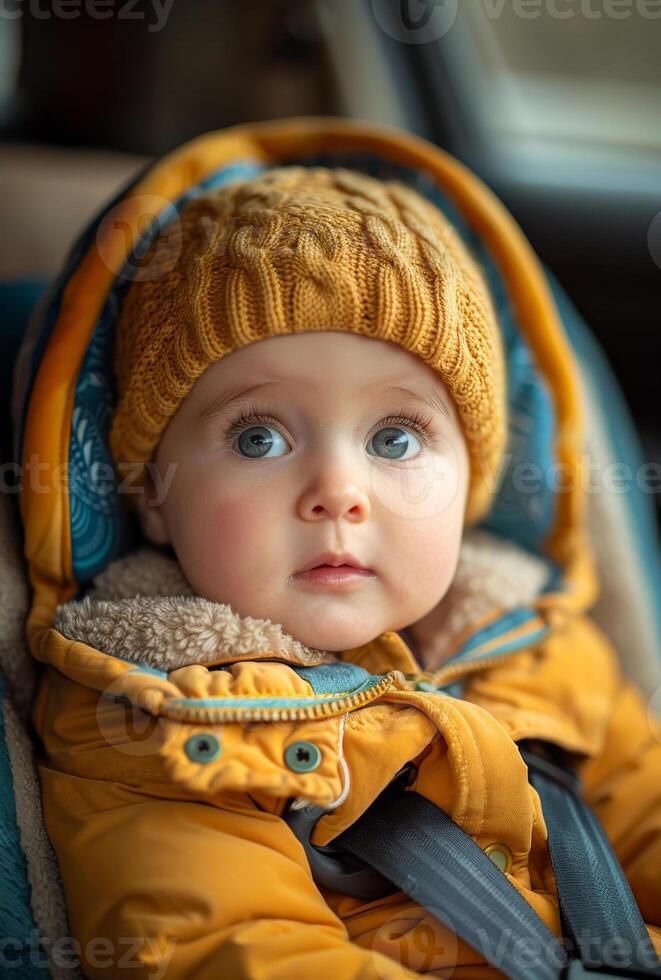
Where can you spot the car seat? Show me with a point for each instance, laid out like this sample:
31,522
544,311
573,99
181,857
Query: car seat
622,527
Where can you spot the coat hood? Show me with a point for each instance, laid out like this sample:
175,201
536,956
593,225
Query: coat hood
80,539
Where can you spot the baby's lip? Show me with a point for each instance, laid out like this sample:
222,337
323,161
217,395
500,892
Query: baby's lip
331,558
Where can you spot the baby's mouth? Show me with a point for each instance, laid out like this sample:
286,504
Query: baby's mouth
334,576
332,559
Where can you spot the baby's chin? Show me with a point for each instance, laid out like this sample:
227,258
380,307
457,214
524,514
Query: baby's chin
332,623
334,637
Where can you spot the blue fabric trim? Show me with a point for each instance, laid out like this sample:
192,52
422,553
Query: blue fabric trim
234,702
145,669
16,919
516,644
334,678
453,690
325,679
511,620
334,674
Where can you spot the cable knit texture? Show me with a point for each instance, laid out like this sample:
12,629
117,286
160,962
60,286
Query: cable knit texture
309,248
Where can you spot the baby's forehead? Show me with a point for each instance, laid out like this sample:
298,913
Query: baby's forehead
325,356
324,365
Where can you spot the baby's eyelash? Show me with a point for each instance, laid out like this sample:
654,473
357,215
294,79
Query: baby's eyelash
251,417
422,423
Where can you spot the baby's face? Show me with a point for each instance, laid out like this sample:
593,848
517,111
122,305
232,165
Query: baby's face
303,444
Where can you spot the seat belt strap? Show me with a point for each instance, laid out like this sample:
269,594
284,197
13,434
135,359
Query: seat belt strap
405,839
428,856
600,912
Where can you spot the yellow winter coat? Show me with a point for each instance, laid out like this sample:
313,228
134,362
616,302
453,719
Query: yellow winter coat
170,725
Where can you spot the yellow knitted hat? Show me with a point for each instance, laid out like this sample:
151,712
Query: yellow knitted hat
309,248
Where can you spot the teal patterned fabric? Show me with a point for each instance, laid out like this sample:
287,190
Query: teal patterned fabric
99,527
102,529
20,955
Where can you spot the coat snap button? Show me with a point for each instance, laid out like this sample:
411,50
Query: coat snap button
202,748
501,856
302,756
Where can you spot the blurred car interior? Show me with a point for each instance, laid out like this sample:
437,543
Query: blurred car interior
558,111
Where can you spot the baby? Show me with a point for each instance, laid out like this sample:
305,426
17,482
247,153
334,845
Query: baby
359,434
311,385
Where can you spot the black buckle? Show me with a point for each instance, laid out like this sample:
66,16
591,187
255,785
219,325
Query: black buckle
335,868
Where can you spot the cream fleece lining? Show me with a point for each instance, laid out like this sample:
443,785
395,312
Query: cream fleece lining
142,608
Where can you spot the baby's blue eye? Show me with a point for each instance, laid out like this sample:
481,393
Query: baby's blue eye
394,442
256,440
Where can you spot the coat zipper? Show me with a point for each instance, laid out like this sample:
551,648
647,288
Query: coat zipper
320,710
327,708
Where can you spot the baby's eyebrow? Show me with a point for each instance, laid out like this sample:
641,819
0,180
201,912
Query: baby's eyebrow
430,397
216,406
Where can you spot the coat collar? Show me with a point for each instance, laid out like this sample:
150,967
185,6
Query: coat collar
142,608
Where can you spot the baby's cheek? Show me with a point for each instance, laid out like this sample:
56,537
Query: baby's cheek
239,524
423,491
235,533
431,550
